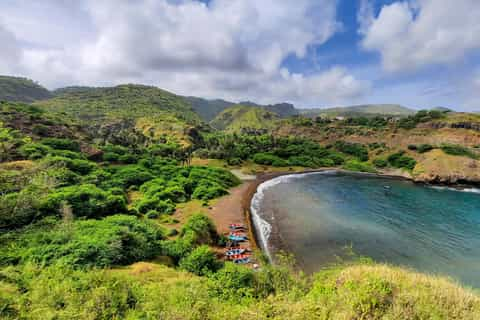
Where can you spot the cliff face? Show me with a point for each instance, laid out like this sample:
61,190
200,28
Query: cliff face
440,168
456,125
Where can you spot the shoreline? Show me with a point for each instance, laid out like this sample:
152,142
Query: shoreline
251,190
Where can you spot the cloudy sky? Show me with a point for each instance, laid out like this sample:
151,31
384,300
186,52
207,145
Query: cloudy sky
314,53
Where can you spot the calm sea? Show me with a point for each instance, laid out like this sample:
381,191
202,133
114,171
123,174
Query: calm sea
320,218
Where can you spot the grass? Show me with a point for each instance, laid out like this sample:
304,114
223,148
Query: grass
150,290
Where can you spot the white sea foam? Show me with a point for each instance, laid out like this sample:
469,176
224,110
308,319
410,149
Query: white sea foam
470,190
263,228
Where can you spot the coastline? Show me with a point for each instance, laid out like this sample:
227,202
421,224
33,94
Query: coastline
252,188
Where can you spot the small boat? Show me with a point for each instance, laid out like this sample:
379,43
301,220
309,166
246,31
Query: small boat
237,226
233,252
237,238
237,233
239,256
242,261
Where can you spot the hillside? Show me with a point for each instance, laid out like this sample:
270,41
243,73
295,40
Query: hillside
21,90
370,110
244,119
208,109
149,113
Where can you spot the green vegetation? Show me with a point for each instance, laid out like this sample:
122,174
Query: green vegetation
400,160
422,116
355,165
458,150
245,119
95,180
21,90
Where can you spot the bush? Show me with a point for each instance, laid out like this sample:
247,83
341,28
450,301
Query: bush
457,150
128,159
85,201
207,190
115,240
355,165
380,163
355,149
129,176
400,160
152,214
161,206
232,282
34,151
266,159
199,229
61,144
79,166
201,261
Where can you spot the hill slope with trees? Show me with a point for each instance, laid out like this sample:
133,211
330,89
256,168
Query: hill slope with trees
17,89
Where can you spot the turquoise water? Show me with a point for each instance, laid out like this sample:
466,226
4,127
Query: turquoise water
317,216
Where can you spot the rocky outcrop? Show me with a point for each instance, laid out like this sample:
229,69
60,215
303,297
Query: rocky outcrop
456,125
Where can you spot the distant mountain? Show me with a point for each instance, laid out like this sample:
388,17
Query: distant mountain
16,89
368,110
284,110
240,118
208,109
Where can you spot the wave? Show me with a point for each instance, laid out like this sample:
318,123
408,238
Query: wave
469,190
263,228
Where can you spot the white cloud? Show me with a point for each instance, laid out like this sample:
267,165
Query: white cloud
412,34
10,51
229,48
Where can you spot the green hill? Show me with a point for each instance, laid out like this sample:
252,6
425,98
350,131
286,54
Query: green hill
208,109
369,110
242,118
148,112
21,90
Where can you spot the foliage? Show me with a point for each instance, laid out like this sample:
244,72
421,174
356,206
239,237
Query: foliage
84,201
354,149
411,122
117,239
355,165
400,160
61,144
380,163
458,150
201,261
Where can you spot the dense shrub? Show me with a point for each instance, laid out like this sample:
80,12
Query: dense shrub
201,261
207,190
199,229
79,166
232,282
354,149
355,165
129,176
421,148
111,241
458,150
34,151
380,163
421,116
61,144
400,160
266,159
85,201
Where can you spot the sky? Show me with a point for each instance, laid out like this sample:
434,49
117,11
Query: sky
313,53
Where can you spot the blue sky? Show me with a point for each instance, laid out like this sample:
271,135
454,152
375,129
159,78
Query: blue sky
313,53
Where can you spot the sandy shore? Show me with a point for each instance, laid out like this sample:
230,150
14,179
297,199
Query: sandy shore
235,207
